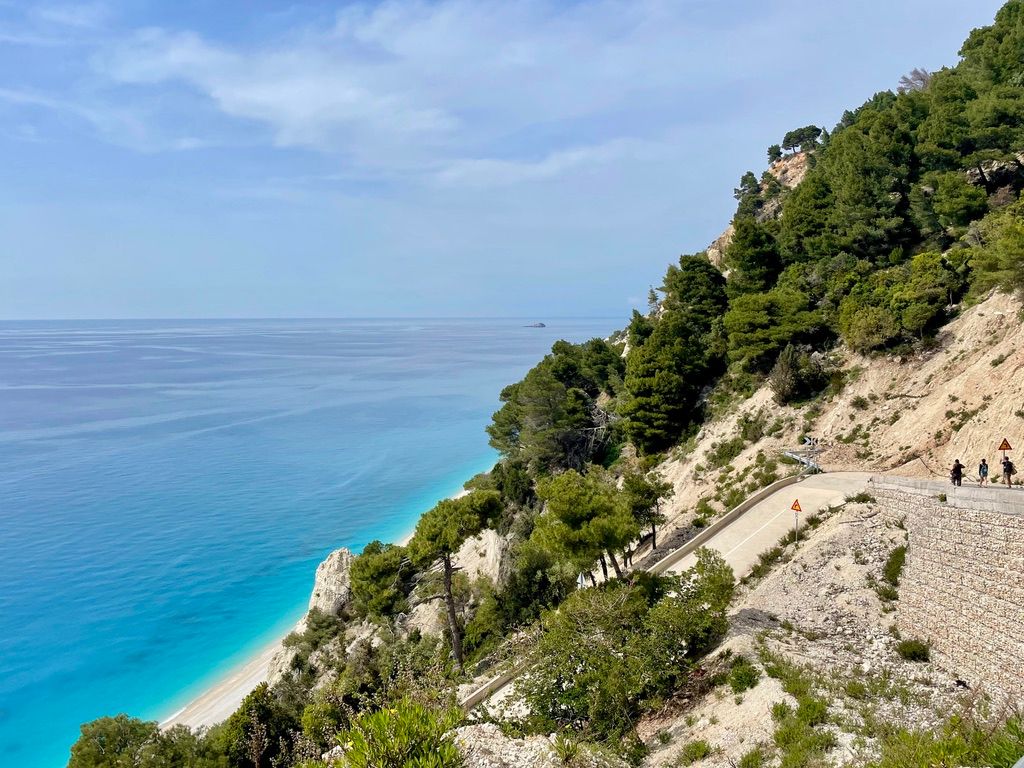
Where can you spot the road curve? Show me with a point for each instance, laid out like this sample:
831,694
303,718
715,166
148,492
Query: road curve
740,536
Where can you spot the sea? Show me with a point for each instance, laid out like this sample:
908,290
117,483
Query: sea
167,489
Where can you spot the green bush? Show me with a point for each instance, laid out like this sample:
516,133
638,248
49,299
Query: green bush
856,689
743,675
724,452
800,741
608,651
860,498
694,751
960,741
566,748
404,735
894,565
755,758
112,742
913,650
795,376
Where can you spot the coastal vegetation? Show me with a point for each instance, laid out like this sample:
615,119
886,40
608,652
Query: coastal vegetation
908,209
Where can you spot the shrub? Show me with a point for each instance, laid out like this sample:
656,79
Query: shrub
743,676
694,751
960,741
856,689
799,740
112,741
755,758
725,452
780,711
795,376
913,650
860,402
894,565
404,735
752,426
886,592
566,748
861,498
610,650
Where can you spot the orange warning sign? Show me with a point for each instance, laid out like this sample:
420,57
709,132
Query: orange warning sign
796,506
1004,446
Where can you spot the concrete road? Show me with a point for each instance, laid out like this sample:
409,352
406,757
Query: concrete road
761,527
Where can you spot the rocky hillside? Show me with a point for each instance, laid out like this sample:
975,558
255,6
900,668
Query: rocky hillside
788,171
908,414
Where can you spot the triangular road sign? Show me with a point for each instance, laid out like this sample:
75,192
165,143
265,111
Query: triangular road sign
1005,445
796,506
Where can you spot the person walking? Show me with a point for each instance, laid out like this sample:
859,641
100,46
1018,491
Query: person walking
1008,471
983,472
956,474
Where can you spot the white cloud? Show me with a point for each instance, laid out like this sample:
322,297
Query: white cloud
489,172
82,15
456,91
122,125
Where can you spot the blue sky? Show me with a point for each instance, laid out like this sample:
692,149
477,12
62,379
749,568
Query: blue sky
406,158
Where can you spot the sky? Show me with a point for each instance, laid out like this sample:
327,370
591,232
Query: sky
247,158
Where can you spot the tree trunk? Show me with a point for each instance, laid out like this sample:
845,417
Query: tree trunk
453,619
615,564
593,581
604,566
654,537
984,178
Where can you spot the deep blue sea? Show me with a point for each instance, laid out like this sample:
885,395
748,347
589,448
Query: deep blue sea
168,487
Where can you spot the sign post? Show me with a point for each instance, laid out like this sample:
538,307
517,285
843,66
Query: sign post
796,520
1004,447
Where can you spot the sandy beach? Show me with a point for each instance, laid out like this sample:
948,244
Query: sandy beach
218,702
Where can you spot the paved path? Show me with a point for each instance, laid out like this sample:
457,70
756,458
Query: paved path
761,527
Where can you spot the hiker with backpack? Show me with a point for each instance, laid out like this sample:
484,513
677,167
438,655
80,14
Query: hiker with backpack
1008,471
956,474
983,472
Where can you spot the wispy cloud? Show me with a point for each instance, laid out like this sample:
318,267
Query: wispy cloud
81,15
456,92
490,173
121,125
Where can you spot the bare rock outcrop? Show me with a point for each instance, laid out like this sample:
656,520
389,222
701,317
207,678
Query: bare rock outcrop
789,171
716,251
482,555
332,586
332,589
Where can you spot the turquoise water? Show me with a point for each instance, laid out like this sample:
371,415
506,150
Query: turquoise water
168,488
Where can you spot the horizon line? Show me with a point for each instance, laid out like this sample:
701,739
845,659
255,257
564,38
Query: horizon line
295,317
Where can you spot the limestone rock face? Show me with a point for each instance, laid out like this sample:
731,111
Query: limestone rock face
482,555
791,169
332,587
716,251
